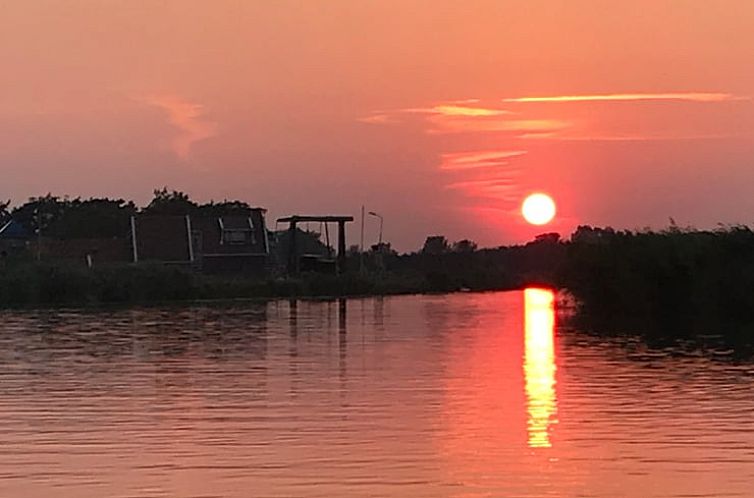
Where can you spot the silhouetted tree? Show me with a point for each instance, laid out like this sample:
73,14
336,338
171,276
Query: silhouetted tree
93,218
587,234
4,212
170,202
224,208
39,213
77,218
435,244
383,248
174,202
546,238
464,246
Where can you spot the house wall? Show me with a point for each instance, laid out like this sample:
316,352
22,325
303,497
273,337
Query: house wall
162,238
211,234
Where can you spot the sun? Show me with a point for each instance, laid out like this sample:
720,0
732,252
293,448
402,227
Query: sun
538,209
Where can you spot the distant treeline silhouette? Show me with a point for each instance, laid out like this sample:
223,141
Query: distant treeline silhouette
67,218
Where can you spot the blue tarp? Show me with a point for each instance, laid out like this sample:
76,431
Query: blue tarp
13,230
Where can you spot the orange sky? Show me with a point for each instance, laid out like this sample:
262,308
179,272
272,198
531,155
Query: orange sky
438,114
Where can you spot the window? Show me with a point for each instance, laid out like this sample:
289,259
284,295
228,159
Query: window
237,236
236,231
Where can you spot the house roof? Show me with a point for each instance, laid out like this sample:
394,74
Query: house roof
14,230
299,218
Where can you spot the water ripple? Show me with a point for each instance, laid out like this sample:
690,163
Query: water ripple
468,395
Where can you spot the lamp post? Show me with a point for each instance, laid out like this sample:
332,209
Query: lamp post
372,213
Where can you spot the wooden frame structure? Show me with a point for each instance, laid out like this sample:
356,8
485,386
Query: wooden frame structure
293,260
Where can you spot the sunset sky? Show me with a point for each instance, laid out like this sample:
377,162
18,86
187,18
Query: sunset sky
439,114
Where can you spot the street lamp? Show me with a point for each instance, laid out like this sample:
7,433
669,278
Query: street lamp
372,213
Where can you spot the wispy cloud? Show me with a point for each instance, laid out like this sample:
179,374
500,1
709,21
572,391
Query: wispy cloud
463,161
497,189
634,138
458,110
377,119
188,119
463,124
466,116
453,109
485,174
488,185
622,97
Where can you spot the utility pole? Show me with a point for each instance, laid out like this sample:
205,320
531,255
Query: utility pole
361,246
382,220
378,256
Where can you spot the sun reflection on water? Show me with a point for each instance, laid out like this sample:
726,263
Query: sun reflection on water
539,365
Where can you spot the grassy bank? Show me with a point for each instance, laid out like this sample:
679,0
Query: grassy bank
73,285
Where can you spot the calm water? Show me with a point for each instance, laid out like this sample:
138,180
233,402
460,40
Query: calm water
464,395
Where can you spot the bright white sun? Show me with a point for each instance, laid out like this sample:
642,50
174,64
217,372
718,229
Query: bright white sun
538,209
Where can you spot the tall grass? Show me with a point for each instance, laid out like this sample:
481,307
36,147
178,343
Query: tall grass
674,282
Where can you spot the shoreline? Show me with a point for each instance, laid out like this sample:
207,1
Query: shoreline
58,287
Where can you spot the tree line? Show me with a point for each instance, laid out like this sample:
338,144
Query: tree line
64,217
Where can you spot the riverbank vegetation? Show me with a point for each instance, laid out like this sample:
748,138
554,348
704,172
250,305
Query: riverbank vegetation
24,281
675,282
55,284
45,284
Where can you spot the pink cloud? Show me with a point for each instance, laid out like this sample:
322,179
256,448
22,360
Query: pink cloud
188,120
633,97
458,161
460,108
464,124
377,119
467,116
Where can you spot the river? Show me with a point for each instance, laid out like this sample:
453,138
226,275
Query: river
462,395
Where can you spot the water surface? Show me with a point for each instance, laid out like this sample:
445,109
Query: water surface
465,395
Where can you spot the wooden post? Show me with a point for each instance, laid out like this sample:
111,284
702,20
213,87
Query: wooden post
133,239
341,246
190,241
342,310
292,250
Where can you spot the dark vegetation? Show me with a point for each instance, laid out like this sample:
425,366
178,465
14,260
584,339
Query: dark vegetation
65,218
60,285
29,282
677,283
671,283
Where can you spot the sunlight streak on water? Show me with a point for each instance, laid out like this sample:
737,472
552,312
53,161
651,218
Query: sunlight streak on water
539,365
